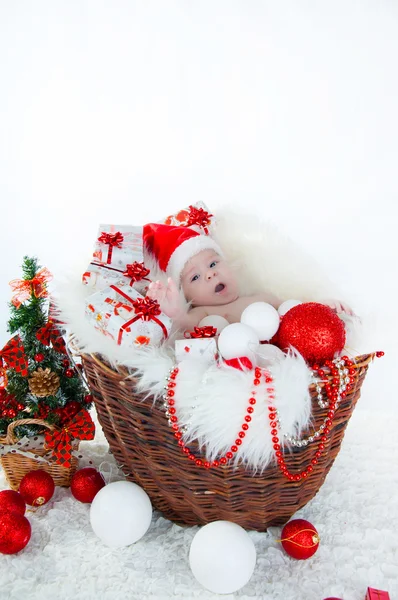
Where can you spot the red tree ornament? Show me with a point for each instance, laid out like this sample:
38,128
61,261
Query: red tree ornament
300,539
12,502
314,330
86,483
15,532
37,487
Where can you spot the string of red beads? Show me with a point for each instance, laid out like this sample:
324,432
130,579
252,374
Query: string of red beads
169,398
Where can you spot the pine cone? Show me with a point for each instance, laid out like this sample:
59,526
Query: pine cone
43,383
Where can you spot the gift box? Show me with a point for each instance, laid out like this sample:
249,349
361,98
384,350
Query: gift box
118,259
373,594
121,313
196,216
201,345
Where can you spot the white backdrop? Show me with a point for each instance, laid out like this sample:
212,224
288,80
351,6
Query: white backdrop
126,111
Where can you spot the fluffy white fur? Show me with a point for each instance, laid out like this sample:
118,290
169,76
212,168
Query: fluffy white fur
212,402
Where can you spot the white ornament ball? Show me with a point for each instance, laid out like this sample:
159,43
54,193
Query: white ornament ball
214,321
222,557
238,340
263,318
287,305
120,513
268,354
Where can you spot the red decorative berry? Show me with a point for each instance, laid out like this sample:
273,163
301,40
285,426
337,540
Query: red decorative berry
12,501
66,363
69,373
86,483
88,398
37,487
39,357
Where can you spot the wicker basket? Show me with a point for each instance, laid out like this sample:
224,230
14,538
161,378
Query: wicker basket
17,465
144,445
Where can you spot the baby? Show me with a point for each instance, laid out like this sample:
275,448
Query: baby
195,263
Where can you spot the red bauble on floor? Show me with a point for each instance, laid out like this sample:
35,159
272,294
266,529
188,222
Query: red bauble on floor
314,330
300,539
12,502
15,532
86,483
37,487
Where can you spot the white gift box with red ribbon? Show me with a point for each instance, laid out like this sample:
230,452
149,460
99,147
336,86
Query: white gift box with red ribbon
201,349
121,313
118,259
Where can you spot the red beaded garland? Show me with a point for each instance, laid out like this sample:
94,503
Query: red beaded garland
178,434
332,397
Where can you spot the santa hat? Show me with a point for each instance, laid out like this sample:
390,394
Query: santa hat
168,248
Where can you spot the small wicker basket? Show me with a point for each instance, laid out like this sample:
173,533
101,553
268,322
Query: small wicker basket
17,465
144,445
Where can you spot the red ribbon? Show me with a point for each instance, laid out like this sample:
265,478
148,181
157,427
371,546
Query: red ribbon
24,288
203,332
242,364
137,272
146,309
49,334
80,427
113,240
200,217
13,355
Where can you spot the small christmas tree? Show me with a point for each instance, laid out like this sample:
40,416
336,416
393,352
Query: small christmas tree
37,379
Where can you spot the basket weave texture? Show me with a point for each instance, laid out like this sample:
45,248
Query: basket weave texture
17,465
144,446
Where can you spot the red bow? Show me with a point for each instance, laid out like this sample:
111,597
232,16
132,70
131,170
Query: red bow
25,287
203,332
80,427
49,334
113,240
13,354
200,217
146,309
136,271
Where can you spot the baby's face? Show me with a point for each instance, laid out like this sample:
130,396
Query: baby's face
207,280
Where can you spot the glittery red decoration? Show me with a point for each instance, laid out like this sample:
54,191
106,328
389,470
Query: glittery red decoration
15,532
37,487
86,483
300,539
314,330
12,501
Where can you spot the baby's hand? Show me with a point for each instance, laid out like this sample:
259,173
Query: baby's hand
338,306
168,297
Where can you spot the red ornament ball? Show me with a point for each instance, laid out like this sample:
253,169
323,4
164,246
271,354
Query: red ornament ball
37,487
86,483
314,330
39,357
300,539
15,532
66,363
12,501
69,373
88,398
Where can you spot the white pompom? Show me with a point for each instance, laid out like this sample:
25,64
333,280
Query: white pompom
287,305
268,354
216,321
238,340
263,318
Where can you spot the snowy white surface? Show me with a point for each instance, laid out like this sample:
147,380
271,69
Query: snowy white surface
355,513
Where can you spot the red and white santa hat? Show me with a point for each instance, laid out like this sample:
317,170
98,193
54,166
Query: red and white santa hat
167,248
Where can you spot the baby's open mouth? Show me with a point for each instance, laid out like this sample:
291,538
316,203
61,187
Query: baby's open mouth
219,288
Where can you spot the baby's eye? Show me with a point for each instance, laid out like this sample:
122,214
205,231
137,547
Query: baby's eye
194,278
213,264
